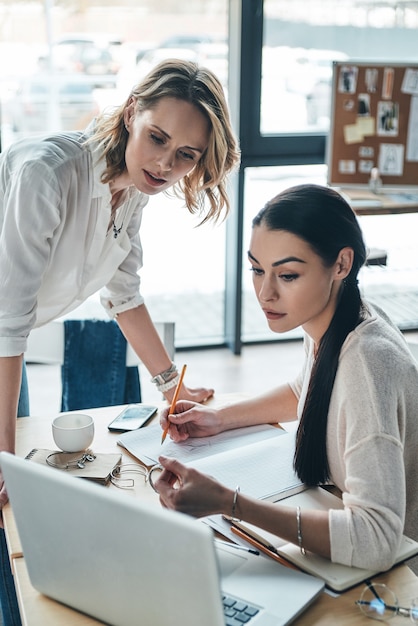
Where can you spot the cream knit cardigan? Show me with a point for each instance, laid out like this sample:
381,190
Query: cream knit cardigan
372,443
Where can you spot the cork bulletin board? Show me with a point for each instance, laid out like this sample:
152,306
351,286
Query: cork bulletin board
374,124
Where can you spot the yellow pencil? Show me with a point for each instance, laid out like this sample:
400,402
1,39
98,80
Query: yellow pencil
173,402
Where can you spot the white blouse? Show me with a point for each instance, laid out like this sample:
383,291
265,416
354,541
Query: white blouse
56,248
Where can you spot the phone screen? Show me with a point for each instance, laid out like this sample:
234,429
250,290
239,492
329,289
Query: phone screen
133,417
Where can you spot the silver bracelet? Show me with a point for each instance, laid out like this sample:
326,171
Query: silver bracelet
300,539
171,383
234,502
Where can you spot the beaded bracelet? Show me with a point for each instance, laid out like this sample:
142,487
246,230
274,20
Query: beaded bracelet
300,539
234,502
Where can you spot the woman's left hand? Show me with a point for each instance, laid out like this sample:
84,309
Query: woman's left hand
200,394
185,489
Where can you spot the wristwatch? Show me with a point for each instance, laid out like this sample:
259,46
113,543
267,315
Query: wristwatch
171,383
165,377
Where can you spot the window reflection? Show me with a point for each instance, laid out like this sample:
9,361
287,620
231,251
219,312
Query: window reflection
301,40
51,61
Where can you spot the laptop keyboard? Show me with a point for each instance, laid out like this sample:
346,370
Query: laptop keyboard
237,612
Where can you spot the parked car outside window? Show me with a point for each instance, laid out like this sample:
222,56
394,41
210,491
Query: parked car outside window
93,55
52,102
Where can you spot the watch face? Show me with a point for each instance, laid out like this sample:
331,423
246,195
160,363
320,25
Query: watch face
166,376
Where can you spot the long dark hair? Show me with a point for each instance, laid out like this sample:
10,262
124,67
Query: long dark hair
322,218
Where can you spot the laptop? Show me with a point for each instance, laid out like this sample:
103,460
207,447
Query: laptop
124,561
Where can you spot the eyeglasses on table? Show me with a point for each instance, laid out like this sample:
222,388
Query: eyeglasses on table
121,475
379,602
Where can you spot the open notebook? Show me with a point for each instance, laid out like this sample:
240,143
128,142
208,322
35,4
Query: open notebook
232,457
337,577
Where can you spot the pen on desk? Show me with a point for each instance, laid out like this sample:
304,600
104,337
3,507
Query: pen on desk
173,402
237,546
271,552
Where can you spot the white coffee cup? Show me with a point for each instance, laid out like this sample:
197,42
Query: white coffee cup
73,432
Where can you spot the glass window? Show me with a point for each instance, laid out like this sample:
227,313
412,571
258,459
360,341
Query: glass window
57,73
391,286
286,123
301,39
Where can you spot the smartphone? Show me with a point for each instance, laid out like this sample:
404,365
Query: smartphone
133,417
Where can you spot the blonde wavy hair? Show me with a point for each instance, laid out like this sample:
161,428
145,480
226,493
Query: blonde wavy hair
184,80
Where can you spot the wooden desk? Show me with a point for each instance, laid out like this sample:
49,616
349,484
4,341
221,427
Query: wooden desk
364,202
32,432
38,610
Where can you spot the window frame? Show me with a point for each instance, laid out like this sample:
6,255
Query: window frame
246,29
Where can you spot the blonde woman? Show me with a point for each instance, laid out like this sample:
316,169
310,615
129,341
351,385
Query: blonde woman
70,213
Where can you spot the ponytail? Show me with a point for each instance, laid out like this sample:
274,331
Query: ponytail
311,460
321,217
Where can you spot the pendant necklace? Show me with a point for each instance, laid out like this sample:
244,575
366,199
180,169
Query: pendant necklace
116,231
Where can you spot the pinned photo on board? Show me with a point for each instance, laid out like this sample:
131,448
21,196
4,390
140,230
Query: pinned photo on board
363,104
391,159
387,87
347,82
371,76
387,119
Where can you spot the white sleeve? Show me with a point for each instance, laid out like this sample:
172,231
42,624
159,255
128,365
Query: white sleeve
30,217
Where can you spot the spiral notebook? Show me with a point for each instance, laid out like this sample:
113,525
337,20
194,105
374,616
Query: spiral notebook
99,470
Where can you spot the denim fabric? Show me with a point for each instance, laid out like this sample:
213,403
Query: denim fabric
9,606
23,407
8,599
94,371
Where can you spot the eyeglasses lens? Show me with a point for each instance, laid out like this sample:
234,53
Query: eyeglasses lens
414,611
378,602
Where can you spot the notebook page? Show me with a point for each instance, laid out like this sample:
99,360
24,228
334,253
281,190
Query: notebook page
145,443
262,469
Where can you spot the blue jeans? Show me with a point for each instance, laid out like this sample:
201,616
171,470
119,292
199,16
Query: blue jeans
94,371
9,606
23,406
8,599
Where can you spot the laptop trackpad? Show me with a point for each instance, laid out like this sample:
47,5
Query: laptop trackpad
229,562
